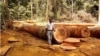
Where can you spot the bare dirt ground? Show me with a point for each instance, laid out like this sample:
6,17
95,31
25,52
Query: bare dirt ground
28,45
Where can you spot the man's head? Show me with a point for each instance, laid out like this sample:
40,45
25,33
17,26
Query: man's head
50,19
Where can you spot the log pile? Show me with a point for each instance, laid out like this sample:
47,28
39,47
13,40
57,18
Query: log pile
62,33
59,34
74,31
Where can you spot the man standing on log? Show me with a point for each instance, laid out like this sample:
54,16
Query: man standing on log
49,30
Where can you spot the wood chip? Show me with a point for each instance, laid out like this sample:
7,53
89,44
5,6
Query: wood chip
12,39
72,40
67,46
4,50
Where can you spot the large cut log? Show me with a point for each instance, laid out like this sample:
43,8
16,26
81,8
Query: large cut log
18,24
37,31
95,32
60,34
31,27
75,30
78,31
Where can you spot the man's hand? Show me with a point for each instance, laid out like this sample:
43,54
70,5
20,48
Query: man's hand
53,29
46,29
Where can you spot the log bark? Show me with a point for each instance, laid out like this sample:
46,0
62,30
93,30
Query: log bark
74,24
95,32
37,31
78,31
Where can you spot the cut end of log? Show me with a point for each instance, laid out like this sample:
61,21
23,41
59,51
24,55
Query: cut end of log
85,32
60,34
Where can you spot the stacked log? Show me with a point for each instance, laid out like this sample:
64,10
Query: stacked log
95,32
75,30
60,34
78,31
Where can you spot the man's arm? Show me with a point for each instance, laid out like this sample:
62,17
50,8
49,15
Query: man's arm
53,28
46,27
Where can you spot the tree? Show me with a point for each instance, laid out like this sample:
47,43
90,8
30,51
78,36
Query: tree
47,9
6,21
99,15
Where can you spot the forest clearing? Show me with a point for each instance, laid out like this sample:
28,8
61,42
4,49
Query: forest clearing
76,29
35,44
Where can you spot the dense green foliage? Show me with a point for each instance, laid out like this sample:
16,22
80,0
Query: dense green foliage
36,9
60,10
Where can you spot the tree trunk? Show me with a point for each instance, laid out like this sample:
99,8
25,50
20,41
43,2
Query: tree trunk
47,10
31,9
95,32
37,31
6,21
99,14
37,9
78,31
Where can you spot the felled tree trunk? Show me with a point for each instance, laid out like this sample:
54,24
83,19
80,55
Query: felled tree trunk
60,33
95,32
37,31
78,31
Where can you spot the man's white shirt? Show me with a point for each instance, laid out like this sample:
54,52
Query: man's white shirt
49,26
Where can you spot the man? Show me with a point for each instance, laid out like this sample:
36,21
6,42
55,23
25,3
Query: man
49,30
